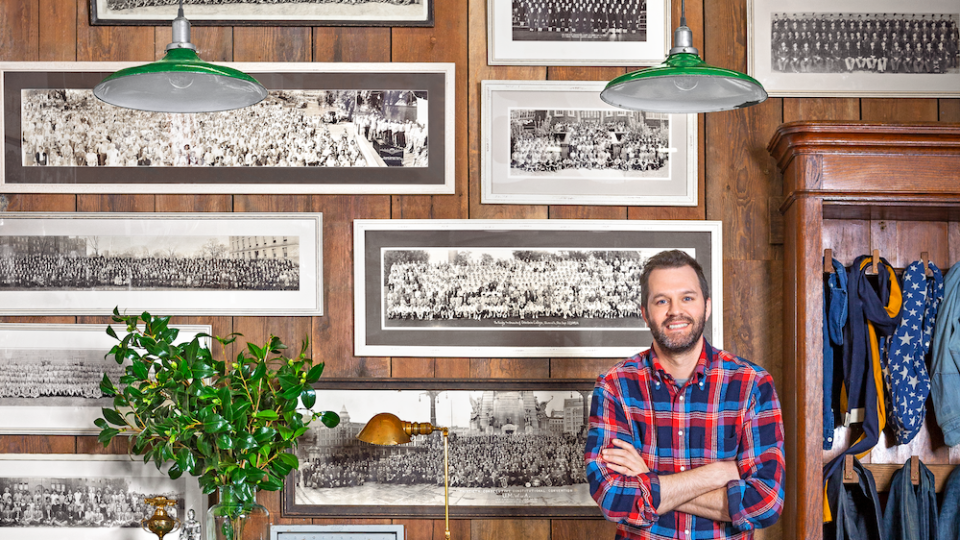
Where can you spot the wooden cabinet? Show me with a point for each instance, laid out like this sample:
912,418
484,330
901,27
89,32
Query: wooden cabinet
854,187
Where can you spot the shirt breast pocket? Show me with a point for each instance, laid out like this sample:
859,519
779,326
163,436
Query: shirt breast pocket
728,446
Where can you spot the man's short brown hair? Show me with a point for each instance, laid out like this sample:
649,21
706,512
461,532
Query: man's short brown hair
673,258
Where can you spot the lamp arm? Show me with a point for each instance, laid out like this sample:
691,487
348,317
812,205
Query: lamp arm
446,485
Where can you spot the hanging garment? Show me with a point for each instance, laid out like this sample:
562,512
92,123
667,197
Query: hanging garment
834,319
911,512
904,366
855,507
945,364
871,313
948,523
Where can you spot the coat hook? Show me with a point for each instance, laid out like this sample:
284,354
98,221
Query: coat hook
828,261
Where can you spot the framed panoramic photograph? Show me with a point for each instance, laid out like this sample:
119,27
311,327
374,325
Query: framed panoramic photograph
516,450
556,142
50,376
94,497
265,12
516,288
337,532
324,128
871,48
232,264
563,33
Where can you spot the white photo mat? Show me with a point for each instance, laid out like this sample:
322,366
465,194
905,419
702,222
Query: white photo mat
337,532
148,231
393,321
95,469
47,347
430,172
503,49
674,184
857,83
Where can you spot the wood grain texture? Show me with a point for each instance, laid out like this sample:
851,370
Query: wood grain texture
820,109
116,203
753,313
41,203
582,529
580,368
105,43
351,44
272,44
58,33
198,203
898,110
37,444
588,212
950,110
19,31
214,43
583,73
527,529
509,368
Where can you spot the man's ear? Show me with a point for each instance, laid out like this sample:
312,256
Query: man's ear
709,308
643,313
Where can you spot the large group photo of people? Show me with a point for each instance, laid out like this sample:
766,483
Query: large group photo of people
865,43
588,143
290,128
22,375
579,20
526,285
74,502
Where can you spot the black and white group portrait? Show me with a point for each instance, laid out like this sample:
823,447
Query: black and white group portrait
579,20
107,262
333,12
96,497
291,128
887,43
508,448
589,143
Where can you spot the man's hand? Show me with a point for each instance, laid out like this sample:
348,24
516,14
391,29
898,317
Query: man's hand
624,459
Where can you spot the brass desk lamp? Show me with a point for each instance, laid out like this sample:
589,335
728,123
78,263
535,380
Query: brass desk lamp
386,429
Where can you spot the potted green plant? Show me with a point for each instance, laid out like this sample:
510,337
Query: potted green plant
232,424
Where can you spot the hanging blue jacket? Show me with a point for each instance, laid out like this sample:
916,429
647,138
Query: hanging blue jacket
911,512
945,365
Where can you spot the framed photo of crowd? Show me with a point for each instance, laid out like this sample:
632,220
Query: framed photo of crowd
264,12
515,446
577,32
96,497
233,264
556,142
323,129
515,288
50,376
878,48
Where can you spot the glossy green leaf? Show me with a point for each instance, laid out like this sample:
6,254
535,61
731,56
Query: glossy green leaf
329,419
113,417
264,434
266,415
314,374
225,441
246,442
308,396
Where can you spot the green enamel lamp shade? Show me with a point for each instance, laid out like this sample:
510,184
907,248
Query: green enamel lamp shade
683,84
180,83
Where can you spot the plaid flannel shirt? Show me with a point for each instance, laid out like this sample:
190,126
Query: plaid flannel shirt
727,410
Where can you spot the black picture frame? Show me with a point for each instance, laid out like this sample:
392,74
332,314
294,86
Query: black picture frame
366,397
100,15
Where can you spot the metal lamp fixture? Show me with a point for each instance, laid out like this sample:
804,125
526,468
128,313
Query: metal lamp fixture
386,429
683,83
180,82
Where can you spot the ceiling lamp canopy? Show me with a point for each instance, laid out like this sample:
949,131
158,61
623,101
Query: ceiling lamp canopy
180,82
683,84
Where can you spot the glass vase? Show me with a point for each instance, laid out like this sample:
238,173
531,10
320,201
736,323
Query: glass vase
230,520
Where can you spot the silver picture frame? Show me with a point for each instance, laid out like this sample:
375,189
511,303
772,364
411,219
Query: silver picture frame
347,128
232,264
50,376
337,532
515,288
556,142
124,476
788,63
515,38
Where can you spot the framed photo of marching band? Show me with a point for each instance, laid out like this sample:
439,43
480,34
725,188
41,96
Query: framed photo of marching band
50,376
870,48
556,142
96,497
577,32
515,447
233,264
515,288
264,12
323,129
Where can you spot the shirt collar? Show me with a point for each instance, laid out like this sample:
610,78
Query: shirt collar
706,361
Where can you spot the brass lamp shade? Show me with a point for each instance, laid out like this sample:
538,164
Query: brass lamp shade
384,429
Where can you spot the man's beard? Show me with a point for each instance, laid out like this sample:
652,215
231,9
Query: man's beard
679,344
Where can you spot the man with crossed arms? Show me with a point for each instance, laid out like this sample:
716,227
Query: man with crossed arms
685,440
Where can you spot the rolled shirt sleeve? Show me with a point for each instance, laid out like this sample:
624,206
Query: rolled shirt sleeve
756,500
626,500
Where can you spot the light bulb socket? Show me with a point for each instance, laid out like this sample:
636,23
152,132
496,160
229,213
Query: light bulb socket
683,41
181,34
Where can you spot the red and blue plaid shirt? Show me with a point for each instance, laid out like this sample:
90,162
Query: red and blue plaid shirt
728,410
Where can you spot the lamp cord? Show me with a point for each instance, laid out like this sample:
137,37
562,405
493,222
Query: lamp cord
180,10
683,11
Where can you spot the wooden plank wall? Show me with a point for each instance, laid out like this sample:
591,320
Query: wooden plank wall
738,185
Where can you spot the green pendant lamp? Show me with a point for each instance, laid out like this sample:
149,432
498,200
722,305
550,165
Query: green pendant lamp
683,83
180,82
